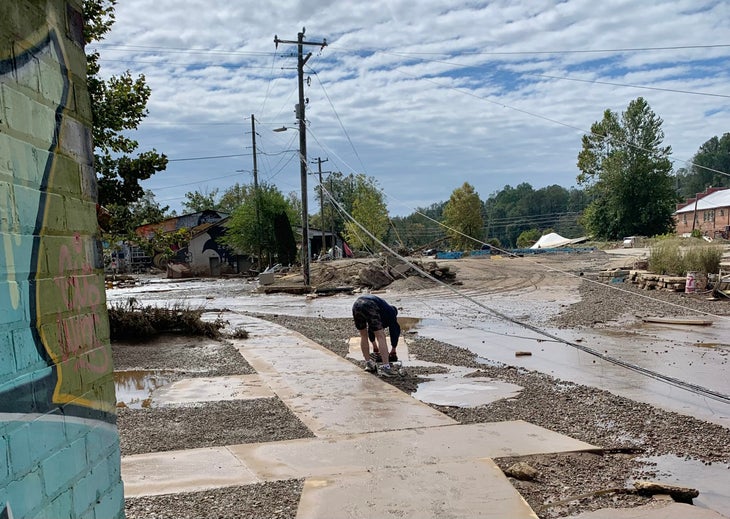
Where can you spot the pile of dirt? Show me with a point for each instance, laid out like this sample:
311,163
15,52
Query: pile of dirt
377,273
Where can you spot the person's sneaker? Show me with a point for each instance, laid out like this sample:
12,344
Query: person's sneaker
375,356
384,370
392,357
371,367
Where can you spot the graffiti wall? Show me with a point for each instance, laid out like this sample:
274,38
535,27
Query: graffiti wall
59,446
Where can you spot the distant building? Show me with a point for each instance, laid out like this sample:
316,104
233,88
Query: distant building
708,212
207,255
320,241
186,221
129,257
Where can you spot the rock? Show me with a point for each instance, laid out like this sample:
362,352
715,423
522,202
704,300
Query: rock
401,270
679,494
522,471
374,277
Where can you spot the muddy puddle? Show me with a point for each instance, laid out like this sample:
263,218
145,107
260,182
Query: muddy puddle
695,354
134,388
668,353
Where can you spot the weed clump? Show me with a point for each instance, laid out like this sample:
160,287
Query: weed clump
131,322
676,257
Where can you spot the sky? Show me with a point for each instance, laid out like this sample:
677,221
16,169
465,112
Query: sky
422,96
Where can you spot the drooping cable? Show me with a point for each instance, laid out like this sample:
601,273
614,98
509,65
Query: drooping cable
709,393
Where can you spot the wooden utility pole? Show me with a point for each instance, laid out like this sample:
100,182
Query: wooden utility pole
301,61
257,204
321,206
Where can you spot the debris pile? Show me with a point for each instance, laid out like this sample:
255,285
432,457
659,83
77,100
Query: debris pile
652,281
370,273
375,274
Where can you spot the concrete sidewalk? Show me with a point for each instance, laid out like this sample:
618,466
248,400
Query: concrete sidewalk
368,434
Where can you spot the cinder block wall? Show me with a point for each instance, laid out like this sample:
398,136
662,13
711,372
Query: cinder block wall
59,446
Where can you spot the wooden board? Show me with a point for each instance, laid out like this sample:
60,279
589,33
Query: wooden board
677,320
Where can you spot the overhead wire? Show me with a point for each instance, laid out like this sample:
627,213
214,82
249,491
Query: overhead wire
617,361
695,388
633,367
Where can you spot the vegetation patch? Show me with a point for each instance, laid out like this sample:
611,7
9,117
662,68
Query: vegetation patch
677,257
130,322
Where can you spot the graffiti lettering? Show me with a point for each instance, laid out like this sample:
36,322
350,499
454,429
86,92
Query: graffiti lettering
77,334
79,341
77,291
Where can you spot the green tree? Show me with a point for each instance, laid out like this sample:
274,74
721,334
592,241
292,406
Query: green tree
286,245
709,167
123,219
463,218
627,174
528,238
118,105
197,201
419,229
369,209
511,211
232,198
251,228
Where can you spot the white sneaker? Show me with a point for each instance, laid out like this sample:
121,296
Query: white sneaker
384,370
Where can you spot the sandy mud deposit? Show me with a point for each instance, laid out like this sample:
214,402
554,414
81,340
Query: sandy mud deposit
649,429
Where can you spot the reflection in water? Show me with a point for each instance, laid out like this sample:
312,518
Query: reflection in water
134,388
408,323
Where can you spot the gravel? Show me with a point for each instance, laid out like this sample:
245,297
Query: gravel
601,303
210,424
567,483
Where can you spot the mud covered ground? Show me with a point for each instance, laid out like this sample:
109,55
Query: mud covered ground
567,484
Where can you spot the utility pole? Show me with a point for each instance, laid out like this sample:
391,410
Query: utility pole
301,61
332,215
256,187
321,205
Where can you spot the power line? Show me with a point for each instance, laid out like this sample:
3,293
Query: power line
199,50
210,157
213,157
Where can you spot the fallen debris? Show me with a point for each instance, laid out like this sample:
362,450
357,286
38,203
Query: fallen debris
679,494
677,320
522,471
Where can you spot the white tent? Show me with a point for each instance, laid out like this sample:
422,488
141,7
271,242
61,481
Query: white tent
553,240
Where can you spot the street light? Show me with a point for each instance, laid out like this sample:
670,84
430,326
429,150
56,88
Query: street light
305,216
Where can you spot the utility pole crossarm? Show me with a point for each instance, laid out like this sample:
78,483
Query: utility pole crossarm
301,60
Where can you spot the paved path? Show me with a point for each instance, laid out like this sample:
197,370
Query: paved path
368,435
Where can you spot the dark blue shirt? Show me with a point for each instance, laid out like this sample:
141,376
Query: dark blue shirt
389,318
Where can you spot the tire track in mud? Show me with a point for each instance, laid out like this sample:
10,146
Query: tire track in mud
478,286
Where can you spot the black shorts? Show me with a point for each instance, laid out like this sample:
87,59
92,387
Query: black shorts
366,314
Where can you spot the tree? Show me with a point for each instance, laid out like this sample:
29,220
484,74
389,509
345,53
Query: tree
286,245
123,219
463,218
252,227
712,158
370,211
197,201
627,173
418,229
232,198
118,105
528,238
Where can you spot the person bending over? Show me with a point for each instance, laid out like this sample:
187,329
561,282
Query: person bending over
372,315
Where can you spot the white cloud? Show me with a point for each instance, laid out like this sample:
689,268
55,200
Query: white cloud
429,97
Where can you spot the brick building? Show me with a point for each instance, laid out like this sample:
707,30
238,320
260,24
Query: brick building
708,212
